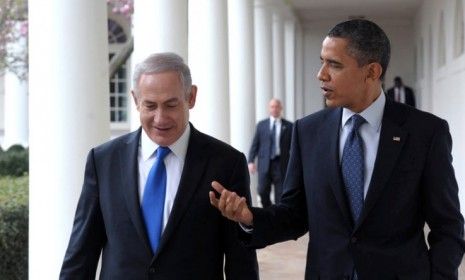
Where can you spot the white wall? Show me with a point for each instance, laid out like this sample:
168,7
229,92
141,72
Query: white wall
399,32
446,84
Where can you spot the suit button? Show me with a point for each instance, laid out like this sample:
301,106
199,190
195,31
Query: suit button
353,239
152,270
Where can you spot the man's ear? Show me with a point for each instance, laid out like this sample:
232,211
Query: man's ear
374,71
134,97
192,96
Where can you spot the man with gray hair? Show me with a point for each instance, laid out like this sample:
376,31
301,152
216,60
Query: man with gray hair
144,203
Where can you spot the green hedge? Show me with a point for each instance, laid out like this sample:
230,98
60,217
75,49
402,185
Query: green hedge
14,161
14,227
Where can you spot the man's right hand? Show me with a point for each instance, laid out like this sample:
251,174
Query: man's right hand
231,205
252,168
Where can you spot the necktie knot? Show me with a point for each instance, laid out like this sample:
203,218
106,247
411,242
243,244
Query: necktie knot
357,121
162,152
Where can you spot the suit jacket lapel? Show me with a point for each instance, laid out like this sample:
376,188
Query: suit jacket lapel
130,184
391,141
330,132
194,166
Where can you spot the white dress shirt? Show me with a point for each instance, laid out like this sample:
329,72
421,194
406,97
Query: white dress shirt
174,163
399,94
277,133
369,131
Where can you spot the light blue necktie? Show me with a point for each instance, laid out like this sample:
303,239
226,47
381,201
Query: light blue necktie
353,171
153,200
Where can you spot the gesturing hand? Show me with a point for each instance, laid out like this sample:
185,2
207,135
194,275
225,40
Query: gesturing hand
231,205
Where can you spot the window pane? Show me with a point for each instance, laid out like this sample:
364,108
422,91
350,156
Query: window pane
122,101
122,87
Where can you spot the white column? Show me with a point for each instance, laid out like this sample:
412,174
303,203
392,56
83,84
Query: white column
158,26
241,75
278,58
299,70
208,60
289,59
16,105
16,115
263,59
69,113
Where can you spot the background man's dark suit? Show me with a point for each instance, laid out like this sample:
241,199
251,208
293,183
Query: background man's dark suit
196,236
413,181
409,96
261,148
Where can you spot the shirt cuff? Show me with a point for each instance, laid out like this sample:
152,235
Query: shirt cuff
246,228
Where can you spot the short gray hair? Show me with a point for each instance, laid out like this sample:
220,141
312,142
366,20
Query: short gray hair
163,62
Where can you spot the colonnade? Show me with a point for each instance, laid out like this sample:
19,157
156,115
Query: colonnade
241,54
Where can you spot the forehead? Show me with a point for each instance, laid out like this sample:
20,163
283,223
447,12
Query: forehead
160,87
160,81
334,46
274,103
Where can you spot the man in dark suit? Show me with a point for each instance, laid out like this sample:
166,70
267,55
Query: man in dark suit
112,219
364,176
401,93
271,145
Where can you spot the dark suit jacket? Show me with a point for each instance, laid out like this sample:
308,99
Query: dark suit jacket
196,237
261,145
413,182
409,96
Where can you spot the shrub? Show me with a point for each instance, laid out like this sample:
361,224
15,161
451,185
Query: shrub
16,148
14,228
14,162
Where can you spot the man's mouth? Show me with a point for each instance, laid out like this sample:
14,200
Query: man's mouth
326,90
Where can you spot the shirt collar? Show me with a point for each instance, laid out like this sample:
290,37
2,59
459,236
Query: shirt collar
178,148
373,114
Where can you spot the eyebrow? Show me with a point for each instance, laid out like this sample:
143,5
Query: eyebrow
331,61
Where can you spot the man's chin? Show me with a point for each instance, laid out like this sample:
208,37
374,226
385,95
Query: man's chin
330,103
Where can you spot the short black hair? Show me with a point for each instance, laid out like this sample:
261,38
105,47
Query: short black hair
367,42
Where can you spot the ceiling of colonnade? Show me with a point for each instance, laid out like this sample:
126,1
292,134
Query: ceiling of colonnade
312,10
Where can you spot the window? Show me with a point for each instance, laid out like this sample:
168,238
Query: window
119,95
116,33
119,82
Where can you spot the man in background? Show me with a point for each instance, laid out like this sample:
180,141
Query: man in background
271,145
401,93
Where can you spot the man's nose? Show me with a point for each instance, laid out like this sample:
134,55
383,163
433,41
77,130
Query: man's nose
322,74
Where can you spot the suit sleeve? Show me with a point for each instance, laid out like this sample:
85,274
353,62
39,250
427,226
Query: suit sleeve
442,207
288,219
88,234
253,152
240,261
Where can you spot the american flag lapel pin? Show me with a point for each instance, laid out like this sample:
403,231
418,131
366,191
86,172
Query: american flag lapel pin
396,138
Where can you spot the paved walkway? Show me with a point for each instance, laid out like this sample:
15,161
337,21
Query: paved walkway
287,261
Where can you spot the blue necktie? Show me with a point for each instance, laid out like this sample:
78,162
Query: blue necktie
273,141
353,167
153,200
352,170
